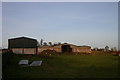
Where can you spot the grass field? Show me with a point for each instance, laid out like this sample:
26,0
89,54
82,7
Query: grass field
63,66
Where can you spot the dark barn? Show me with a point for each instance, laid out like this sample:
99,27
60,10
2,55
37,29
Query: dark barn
23,45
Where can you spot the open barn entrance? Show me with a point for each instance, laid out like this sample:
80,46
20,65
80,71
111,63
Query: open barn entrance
66,48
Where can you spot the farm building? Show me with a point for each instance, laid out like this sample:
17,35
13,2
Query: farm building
23,45
66,48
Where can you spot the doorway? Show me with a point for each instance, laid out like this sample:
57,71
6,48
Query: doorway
66,48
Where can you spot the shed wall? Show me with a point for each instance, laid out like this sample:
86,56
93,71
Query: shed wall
24,50
82,49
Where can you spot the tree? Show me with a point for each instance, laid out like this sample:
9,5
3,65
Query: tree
45,44
38,44
50,43
114,49
59,43
106,48
95,49
55,44
41,42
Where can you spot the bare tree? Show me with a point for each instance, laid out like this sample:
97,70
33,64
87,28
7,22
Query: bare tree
41,42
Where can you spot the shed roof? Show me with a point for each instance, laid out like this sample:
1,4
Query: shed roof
22,42
22,38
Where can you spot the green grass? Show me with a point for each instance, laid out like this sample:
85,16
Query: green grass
64,66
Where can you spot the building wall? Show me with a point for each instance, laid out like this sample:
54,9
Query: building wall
81,49
84,49
30,51
56,48
40,49
24,50
17,50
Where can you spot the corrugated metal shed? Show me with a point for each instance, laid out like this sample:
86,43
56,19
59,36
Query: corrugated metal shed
22,42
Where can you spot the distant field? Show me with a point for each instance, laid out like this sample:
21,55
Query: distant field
63,66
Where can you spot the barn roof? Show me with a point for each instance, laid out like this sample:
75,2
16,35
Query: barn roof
72,45
22,38
22,42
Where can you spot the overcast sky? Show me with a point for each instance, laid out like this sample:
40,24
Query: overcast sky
81,23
